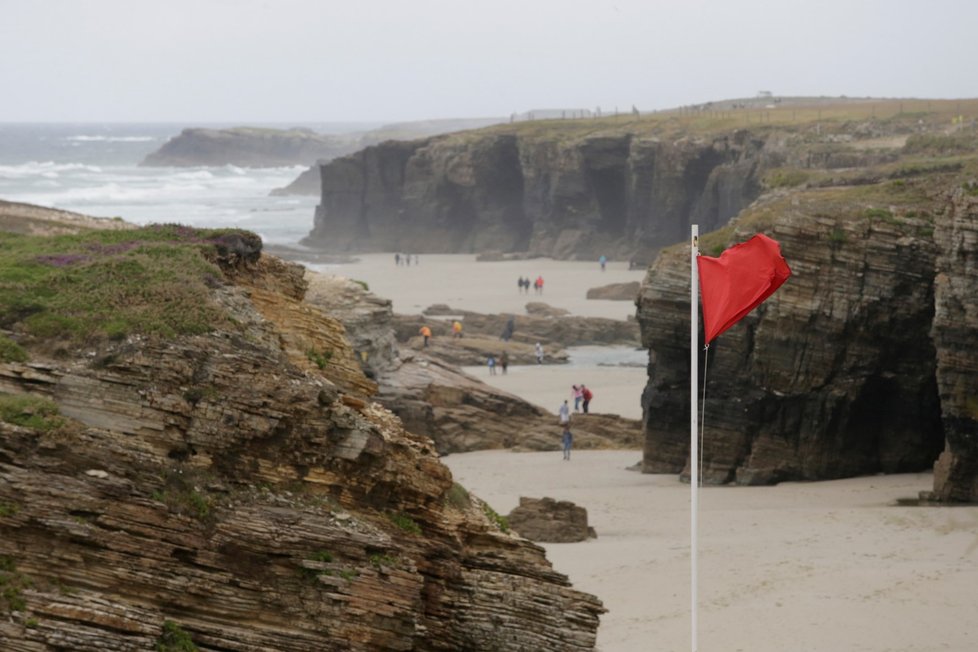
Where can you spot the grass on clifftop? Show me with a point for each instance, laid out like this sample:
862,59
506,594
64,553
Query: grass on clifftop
109,284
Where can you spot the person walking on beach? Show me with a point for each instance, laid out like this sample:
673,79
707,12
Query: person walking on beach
563,412
457,330
538,285
577,395
519,284
491,362
426,334
397,259
539,351
508,330
567,439
504,361
603,262
587,395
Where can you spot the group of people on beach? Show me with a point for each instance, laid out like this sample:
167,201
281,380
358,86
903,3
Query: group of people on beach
405,259
524,285
502,362
582,398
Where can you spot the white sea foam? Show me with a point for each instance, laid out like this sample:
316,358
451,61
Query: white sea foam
46,169
111,139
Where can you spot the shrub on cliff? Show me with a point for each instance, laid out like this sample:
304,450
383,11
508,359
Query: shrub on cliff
109,284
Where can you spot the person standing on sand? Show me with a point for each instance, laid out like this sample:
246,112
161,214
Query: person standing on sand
491,362
603,261
457,330
508,330
538,284
567,439
587,395
426,334
563,412
577,395
539,351
504,361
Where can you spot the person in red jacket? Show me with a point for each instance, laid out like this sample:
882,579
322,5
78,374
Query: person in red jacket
587,396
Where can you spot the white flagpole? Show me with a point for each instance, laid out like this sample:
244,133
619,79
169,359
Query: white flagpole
693,440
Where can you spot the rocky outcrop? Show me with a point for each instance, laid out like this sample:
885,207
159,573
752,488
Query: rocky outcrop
462,414
249,147
482,332
833,376
615,291
550,521
955,332
234,489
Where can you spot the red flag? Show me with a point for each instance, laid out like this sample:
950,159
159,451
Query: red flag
738,281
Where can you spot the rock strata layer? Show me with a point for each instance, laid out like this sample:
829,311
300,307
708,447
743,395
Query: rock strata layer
228,488
859,364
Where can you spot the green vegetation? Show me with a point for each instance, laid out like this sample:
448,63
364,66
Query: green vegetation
458,497
96,285
786,178
322,555
29,411
10,351
12,585
182,495
491,514
174,639
405,522
30,623
837,236
937,143
378,561
320,359
8,509
195,394
362,284
881,214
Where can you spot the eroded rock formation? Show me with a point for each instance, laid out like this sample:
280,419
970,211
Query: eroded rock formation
234,488
837,374
550,521
505,190
955,331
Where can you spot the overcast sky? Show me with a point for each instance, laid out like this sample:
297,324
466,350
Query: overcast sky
386,60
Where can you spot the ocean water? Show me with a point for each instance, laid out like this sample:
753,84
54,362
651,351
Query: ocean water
94,169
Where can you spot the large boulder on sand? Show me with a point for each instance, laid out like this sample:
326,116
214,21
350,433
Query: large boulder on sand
550,521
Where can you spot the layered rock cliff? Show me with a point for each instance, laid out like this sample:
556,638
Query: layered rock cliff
616,195
578,189
861,363
236,487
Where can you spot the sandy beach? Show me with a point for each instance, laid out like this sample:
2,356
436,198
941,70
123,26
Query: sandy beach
461,282
828,566
835,566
